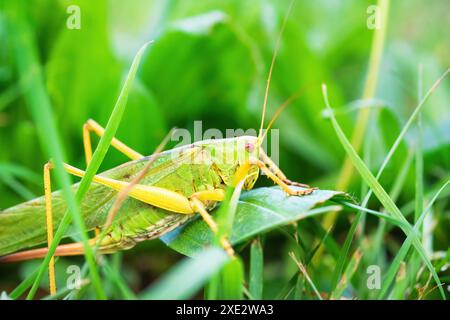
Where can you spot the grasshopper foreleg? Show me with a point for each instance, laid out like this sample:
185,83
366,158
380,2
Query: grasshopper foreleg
277,171
279,181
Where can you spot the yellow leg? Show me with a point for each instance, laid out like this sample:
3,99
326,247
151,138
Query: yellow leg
156,196
123,194
277,171
197,201
49,217
212,195
166,199
91,125
71,249
279,181
199,207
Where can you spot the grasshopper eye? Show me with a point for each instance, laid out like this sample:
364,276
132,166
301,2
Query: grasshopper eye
249,147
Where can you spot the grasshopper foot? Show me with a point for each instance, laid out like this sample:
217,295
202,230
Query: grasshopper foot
305,192
297,184
300,192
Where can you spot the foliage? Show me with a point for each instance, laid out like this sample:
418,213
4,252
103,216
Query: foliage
209,61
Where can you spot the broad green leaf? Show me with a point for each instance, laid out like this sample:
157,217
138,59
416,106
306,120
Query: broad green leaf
83,75
190,86
258,210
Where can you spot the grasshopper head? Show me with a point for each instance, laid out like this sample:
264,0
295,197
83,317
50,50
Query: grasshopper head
230,154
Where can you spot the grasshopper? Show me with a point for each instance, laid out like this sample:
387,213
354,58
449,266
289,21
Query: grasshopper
176,185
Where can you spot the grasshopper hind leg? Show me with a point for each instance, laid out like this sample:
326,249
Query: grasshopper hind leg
198,205
92,125
49,219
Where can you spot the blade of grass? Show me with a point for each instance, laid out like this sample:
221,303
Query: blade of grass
40,108
400,137
347,275
368,93
227,211
17,187
395,265
256,269
305,274
23,286
247,293
376,253
232,275
299,288
414,263
326,240
381,194
97,158
407,125
344,252
229,281
419,155
61,294
401,283
346,248
119,282
378,214
401,176
20,172
212,288
10,94
358,222
409,207
284,293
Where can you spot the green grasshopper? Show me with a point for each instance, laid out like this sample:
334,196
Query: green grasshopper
176,185
172,191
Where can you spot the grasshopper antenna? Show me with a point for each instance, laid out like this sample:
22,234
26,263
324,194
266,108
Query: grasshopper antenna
278,112
274,56
283,106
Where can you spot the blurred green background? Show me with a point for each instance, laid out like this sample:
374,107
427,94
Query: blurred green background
209,61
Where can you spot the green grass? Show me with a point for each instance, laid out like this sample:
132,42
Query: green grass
40,108
91,170
256,272
177,285
382,195
209,61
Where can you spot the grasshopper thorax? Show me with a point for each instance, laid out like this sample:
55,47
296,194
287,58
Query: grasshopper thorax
228,155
